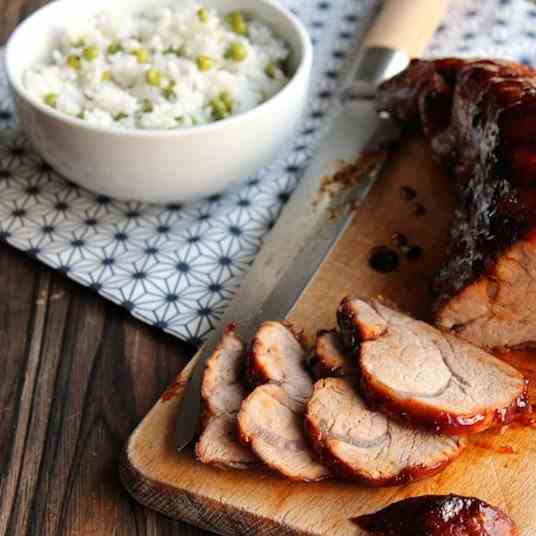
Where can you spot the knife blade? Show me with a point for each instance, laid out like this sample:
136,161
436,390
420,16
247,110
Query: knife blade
348,161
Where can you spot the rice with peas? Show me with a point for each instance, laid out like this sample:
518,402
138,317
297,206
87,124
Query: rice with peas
170,68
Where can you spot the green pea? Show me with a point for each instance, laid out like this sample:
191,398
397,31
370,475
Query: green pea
179,119
195,122
142,55
236,52
271,71
236,21
147,106
91,53
79,43
106,76
179,52
169,94
114,48
120,116
204,63
81,115
153,77
51,99
218,108
202,14
227,100
74,62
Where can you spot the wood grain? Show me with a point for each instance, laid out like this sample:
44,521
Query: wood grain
78,373
249,502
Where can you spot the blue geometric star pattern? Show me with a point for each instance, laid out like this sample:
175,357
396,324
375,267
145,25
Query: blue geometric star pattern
178,266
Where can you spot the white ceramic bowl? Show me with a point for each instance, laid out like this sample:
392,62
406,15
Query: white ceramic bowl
153,165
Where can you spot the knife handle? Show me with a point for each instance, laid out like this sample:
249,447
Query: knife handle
406,25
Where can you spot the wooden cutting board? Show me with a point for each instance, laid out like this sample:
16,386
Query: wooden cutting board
249,502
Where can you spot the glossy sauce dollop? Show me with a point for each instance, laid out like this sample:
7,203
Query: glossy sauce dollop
439,515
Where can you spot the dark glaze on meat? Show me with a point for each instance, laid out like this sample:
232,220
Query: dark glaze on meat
439,515
444,422
480,119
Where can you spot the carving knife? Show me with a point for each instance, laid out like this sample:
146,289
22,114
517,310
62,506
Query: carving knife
347,162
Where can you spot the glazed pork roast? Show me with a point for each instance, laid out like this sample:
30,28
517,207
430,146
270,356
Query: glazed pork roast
479,117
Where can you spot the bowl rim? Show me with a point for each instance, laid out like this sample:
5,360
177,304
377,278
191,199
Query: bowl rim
302,71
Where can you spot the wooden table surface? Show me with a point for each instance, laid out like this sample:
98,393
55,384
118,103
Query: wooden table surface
78,373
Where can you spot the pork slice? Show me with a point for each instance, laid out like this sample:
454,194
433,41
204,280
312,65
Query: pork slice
415,372
496,310
271,423
219,444
222,394
330,358
277,356
270,420
365,445
439,515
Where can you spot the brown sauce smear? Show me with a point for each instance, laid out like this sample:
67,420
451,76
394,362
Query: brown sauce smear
420,210
384,260
525,362
488,445
408,193
173,391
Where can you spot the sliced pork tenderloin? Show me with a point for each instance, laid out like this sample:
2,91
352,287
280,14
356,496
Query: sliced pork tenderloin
364,445
277,355
271,423
412,371
330,358
270,420
222,394
218,445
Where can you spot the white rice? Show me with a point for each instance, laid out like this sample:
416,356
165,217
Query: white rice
113,89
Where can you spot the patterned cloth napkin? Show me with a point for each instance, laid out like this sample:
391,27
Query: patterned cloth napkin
177,266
